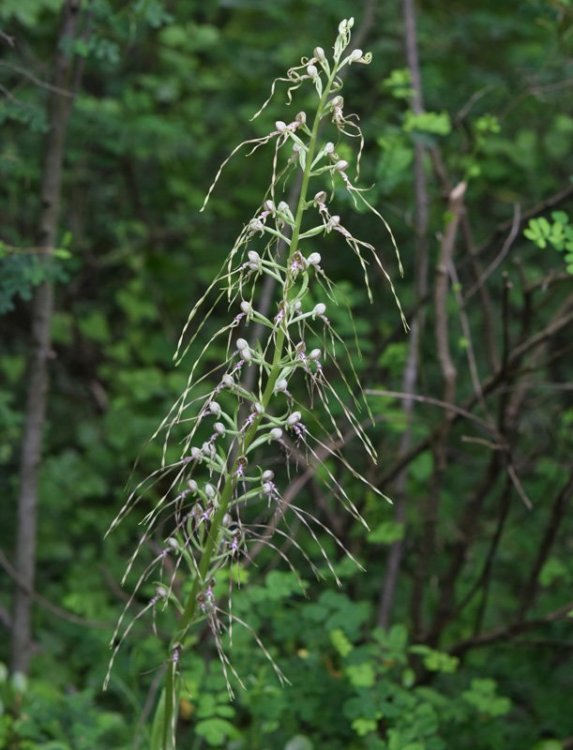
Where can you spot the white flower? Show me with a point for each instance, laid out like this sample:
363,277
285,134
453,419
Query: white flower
281,385
227,381
276,433
280,126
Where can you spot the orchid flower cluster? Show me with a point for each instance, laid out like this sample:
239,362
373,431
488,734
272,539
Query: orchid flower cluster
232,432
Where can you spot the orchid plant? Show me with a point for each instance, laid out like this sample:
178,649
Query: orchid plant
215,480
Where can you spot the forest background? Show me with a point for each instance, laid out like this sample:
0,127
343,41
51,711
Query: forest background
115,117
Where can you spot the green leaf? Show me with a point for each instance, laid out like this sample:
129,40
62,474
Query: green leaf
362,727
434,123
361,675
216,731
299,742
340,642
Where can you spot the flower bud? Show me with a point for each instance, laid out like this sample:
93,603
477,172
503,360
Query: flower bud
219,428
334,221
227,381
319,54
256,225
268,475
161,592
314,259
242,344
315,354
196,454
270,206
210,491
193,486
227,520
215,408
246,307
319,309
281,385
320,197
276,433
312,71
301,117
281,126
341,165
355,55
283,207
254,257
329,148
173,543
338,101
258,408
294,418
297,305
246,354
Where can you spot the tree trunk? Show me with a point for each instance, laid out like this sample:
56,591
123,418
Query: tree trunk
59,109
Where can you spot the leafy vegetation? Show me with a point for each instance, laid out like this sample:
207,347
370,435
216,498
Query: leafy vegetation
448,637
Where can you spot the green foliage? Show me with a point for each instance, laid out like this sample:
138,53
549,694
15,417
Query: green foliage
167,91
557,234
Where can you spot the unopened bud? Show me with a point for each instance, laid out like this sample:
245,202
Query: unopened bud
320,197
227,381
270,206
196,453
341,165
268,475
329,148
280,126
242,344
276,433
161,592
258,408
337,102
314,259
297,305
246,307
319,54
294,418
210,491
173,543
319,309
246,354
215,408
281,385
227,520
193,486
315,354
254,257
219,428
312,71
355,55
